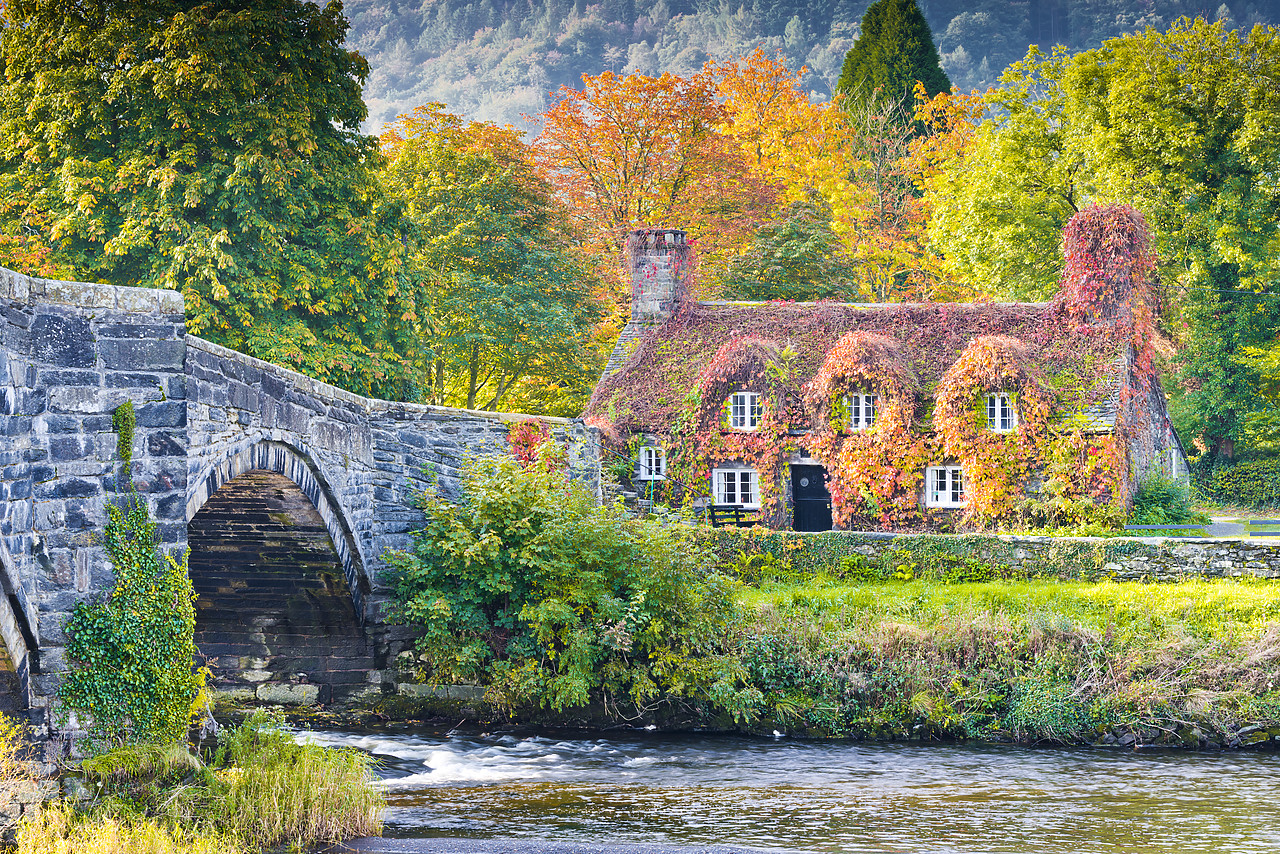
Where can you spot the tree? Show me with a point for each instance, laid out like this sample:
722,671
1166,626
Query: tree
509,310
796,257
213,148
1181,124
894,51
625,152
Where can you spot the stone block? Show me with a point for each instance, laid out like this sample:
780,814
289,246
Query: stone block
138,330
166,414
130,355
171,302
136,300
63,341
288,695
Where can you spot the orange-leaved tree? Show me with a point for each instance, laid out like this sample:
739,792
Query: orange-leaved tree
630,151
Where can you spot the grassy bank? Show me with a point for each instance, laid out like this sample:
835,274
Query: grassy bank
1194,663
258,790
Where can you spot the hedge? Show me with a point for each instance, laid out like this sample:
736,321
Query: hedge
755,553
1252,483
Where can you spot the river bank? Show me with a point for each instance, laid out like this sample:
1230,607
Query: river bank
1192,664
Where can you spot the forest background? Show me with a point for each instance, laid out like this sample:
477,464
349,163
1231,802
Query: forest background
224,151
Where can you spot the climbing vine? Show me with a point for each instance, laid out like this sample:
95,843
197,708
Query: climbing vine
702,437
134,651
123,422
873,474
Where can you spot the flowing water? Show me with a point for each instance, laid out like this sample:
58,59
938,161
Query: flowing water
821,796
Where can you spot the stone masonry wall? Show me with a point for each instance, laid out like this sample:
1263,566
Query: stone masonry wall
1149,559
70,354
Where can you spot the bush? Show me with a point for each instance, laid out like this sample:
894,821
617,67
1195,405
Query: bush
529,587
1161,501
1252,483
134,651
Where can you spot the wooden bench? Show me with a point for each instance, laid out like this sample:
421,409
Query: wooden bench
726,515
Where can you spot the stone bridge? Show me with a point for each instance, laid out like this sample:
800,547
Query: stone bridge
288,491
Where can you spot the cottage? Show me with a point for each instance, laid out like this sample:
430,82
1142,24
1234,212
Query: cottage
922,416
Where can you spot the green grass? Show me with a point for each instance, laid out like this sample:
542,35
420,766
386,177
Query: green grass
1064,661
261,790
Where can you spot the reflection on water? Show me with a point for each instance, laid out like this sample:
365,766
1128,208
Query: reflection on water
823,796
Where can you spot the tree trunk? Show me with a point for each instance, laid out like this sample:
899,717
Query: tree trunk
473,375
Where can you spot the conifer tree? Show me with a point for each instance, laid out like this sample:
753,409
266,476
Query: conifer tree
894,51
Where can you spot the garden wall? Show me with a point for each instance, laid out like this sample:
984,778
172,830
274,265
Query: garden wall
979,556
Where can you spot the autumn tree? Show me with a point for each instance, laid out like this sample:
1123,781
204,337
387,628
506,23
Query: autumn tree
1181,124
509,309
213,148
797,256
630,151
894,51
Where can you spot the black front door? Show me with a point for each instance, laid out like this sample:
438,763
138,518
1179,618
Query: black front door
810,498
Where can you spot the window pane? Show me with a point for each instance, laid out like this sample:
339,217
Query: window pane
870,409
991,412
747,492
1006,413
855,411
756,410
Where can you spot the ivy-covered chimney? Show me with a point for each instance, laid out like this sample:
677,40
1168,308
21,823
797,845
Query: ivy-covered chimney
659,259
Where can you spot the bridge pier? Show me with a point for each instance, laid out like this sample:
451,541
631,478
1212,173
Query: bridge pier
70,353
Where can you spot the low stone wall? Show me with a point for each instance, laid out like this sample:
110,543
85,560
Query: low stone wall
1121,558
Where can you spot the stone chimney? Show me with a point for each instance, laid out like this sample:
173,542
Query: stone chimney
659,259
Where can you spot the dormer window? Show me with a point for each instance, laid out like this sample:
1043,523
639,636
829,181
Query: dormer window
1001,416
652,464
862,410
745,410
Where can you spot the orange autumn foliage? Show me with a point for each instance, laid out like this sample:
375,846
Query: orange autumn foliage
635,151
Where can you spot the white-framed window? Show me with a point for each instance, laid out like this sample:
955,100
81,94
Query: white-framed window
745,410
1002,417
862,410
652,464
943,486
737,486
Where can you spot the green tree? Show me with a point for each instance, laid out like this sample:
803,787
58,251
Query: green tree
213,148
894,50
509,312
1180,124
796,257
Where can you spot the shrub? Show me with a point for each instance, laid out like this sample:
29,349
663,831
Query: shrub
1162,501
1252,483
134,651
528,586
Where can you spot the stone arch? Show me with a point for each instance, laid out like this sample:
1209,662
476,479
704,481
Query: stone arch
297,466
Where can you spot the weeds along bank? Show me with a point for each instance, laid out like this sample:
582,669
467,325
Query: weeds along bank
257,790
563,611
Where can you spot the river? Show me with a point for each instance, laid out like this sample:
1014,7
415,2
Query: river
646,788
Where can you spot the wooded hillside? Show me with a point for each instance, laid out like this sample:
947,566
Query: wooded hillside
498,59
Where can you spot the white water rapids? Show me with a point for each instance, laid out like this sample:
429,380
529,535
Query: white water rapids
821,796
